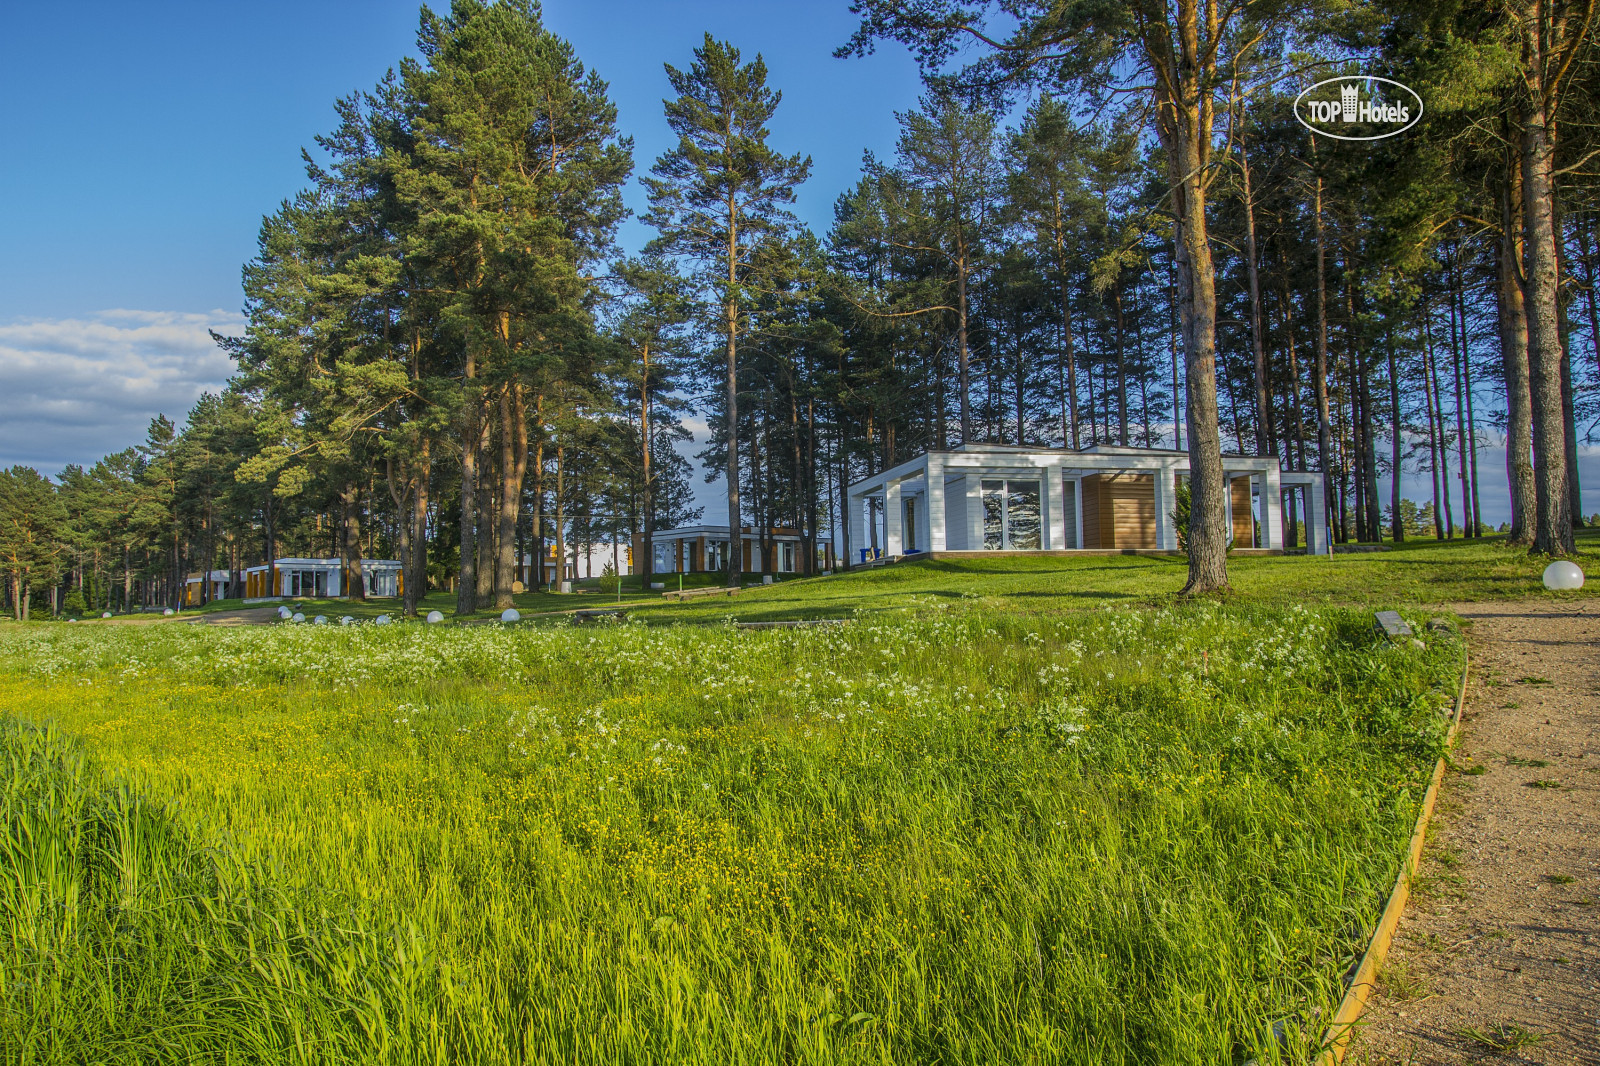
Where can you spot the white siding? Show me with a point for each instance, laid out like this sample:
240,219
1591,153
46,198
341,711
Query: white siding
955,514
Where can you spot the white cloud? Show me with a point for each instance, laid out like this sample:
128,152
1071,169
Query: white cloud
80,388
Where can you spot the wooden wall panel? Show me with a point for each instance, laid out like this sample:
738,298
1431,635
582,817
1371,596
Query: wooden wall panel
1244,527
1134,510
1091,512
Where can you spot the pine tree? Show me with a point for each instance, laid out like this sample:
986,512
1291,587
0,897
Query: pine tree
716,198
33,525
513,179
655,307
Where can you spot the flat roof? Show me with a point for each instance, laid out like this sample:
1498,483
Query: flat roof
296,560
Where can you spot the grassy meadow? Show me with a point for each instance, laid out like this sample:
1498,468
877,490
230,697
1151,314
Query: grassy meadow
1010,812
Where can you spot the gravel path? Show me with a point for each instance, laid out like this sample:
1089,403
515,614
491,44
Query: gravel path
1498,956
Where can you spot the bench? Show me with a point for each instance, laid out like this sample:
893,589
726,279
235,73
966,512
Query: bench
693,594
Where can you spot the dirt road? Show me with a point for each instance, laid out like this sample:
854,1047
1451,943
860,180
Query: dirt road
1498,956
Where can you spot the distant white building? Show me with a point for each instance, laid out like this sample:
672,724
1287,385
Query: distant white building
991,497
195,591
296,578
581,562
693,549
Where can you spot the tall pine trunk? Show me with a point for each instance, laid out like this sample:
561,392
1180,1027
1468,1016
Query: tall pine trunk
1432,432
417,579
488,486
351,554
1071,398
513,467
467,585
731,400
1438,415
1458,331
1553,517
1197,308
1397,526
1265,444
647,499
561,515
1514,365
1319,378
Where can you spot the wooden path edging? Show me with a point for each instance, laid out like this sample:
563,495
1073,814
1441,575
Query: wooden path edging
1337,1039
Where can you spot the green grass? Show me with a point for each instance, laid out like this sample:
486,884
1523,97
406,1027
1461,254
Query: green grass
1502,1038
1418,572
948,832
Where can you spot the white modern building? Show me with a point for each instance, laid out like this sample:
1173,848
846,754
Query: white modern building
320,579
992,497
196,592
694,549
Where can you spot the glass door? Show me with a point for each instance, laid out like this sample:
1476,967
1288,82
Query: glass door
1011,516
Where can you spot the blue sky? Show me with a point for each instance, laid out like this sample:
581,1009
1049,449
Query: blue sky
144,142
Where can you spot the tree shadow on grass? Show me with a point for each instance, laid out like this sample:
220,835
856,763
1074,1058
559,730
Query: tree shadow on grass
1075,594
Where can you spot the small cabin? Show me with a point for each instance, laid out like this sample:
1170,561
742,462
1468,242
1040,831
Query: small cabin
992,497
196,593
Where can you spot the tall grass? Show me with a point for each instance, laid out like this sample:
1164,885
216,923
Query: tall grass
947,836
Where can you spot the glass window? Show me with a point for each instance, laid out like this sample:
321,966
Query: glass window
1022,515
1011,517
994,515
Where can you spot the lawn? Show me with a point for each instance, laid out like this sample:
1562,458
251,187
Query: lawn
1425,572
1417,572
1105,828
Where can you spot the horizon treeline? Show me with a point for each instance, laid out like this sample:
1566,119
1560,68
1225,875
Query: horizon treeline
1090,231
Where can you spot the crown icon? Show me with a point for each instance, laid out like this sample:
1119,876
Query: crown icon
1347,98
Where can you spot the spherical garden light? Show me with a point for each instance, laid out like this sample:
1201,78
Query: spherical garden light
435,617
320,620
298,617
510,614
167,613
105,614
284,612
1562,575
382,620
345,620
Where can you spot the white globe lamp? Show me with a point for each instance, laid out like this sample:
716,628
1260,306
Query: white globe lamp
510,614
435,617
382,620
1563,575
